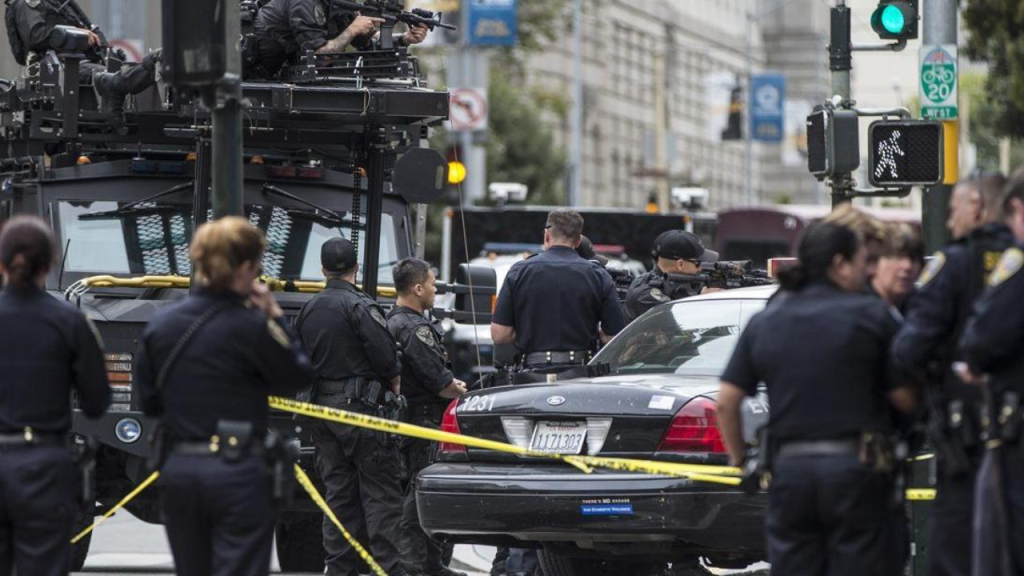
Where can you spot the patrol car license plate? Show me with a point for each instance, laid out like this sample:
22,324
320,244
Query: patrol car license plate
559,437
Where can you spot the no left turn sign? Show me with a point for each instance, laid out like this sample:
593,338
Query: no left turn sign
469,109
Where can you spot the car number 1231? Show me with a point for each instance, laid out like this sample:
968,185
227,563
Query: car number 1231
478,404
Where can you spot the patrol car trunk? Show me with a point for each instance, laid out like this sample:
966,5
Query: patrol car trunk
662,417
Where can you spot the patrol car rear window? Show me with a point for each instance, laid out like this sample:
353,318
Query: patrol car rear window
153,239
688,338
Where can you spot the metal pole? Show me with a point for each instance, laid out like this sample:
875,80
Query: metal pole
575,195
465,81
939,28
840,63
228,177
374,211
748,171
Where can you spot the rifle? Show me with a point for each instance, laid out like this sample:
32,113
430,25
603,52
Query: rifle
726,275
392,12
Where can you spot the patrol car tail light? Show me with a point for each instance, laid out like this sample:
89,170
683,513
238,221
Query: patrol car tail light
119,374
694,429
450,423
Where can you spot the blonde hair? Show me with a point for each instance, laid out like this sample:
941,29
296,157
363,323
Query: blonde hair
865,225
220,247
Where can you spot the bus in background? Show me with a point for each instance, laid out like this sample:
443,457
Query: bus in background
759,234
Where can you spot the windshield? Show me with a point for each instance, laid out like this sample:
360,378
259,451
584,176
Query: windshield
688,338
153,238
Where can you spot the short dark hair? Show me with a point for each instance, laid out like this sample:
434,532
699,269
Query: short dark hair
565,224
903,240
1014,189
819,244
410,272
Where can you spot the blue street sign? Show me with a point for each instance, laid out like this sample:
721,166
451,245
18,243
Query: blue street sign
768,106
492,22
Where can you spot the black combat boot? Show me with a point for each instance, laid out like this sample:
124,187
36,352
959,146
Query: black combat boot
110,91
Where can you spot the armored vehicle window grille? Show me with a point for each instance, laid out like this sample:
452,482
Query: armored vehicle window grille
163,242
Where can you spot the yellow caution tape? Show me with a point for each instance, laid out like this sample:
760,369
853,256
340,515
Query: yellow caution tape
921,494
131,496
306,483
922,457
726,475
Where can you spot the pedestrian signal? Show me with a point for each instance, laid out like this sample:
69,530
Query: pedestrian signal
833,142
896,19
905,153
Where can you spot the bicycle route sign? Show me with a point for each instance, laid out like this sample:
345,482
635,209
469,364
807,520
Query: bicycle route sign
939,81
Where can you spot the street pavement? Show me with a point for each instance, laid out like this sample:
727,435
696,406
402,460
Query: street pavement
124,545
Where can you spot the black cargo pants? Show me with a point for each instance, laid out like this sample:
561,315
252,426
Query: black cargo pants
830,516
37,510
998,525
219,515
949,528
360,471
420,553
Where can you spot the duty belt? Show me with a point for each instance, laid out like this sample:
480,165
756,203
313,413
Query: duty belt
555,358
832,447
355,389
212,447
31,438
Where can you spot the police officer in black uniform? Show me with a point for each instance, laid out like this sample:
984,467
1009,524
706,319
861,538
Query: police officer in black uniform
287,29
926,345
37,26
555,307
47,349
993,344
675,253
206,366
356,364
831,498
428,386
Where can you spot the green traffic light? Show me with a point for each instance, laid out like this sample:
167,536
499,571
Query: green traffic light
893,20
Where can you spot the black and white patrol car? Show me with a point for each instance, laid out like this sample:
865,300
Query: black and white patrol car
658,403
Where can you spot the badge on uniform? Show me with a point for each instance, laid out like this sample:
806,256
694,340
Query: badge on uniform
658,295
321,18
277,333
426,335
1009,264
378,317
932,269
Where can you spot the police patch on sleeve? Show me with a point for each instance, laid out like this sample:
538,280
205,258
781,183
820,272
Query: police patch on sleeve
658,295
426,335
378,317
1009,264
321,18
277,333
932,269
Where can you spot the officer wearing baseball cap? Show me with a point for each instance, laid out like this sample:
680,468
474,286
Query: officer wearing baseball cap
678,256
355,362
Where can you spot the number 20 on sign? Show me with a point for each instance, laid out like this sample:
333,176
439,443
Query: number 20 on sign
938,72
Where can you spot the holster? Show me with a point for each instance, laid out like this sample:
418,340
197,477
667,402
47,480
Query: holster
948,430
281,454
393,408
84,457
757,466
235,439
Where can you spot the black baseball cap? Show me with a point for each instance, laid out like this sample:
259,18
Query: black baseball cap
680,245
586,251
338,255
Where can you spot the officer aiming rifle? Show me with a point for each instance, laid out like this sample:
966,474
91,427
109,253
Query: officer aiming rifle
725,275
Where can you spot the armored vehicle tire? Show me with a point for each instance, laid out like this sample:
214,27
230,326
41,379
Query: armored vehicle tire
80,550
300,545
557,565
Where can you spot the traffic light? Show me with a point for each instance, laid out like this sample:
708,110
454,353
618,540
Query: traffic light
905,153
896,19
456,167
833,142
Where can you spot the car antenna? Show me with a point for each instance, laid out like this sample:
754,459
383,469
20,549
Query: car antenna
63,261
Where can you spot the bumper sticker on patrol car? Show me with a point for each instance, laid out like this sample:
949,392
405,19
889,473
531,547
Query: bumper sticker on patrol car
661,403
607,507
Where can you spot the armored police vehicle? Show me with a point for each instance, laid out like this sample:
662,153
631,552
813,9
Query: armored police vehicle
332,149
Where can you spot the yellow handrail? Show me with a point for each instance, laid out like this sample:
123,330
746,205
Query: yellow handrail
274,284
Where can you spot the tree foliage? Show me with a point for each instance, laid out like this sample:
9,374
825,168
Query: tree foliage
996,36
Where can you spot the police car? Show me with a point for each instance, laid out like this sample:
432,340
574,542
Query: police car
658,403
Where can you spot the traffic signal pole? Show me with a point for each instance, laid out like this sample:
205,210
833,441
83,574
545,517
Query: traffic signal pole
840,62
939,28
